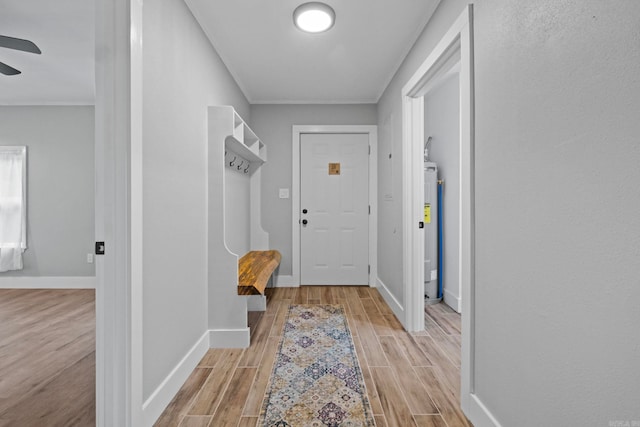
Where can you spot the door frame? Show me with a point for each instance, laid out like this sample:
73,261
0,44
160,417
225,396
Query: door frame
118,204
370,130
455,45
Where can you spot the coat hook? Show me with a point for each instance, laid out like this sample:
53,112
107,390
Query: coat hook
240,164
232,161
246,170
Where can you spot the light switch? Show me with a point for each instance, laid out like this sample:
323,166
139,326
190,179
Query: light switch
284,193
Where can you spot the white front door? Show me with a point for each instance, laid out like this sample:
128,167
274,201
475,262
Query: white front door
334,209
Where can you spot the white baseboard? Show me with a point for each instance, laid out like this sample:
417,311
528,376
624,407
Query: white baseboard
229,338
282,281
391,301
256,303
479,415
161,397
48,282
453,301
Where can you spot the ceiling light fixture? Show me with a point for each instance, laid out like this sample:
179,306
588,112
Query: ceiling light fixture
314,17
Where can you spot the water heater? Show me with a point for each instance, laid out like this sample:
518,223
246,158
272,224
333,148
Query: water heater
431,233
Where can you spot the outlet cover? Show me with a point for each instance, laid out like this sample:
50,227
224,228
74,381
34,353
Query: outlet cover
284,193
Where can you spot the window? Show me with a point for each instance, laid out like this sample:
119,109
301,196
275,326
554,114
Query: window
13,206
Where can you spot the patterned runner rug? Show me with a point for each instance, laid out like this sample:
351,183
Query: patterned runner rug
316,380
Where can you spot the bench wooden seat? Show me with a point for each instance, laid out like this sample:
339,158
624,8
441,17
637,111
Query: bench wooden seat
254,270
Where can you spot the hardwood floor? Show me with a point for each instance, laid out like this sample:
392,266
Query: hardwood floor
47,357
411,379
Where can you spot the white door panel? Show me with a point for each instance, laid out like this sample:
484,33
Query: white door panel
334,242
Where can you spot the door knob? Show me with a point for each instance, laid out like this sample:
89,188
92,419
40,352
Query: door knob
304,211
304,222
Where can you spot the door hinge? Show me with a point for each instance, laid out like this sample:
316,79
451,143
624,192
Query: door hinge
369,150
99,248
369,209
369,268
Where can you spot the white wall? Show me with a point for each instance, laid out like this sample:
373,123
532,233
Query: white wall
272,124
442,123
237,211
557,202
182,76
60,186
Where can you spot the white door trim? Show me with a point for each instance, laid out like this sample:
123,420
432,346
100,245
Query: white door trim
372,131
458,41
136,218
118,114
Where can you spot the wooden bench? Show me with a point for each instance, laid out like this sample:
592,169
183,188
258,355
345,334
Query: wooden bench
254,270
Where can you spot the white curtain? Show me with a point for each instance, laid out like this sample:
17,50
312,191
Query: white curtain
13,207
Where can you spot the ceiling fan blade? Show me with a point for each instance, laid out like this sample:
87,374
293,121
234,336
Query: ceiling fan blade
19,44
7,70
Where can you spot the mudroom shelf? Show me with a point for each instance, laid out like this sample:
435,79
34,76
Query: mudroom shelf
244,142
244,151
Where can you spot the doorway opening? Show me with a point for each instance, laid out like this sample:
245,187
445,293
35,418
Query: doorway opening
442,131
454,51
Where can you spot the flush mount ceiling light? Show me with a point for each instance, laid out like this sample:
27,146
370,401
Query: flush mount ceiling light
314,17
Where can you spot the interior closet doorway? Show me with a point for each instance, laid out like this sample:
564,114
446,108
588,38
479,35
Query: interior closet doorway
442,135
455,47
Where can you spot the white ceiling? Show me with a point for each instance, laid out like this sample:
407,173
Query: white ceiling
271,60
64,32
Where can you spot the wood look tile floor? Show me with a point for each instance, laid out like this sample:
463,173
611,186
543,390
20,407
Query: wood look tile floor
47,357
411,379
